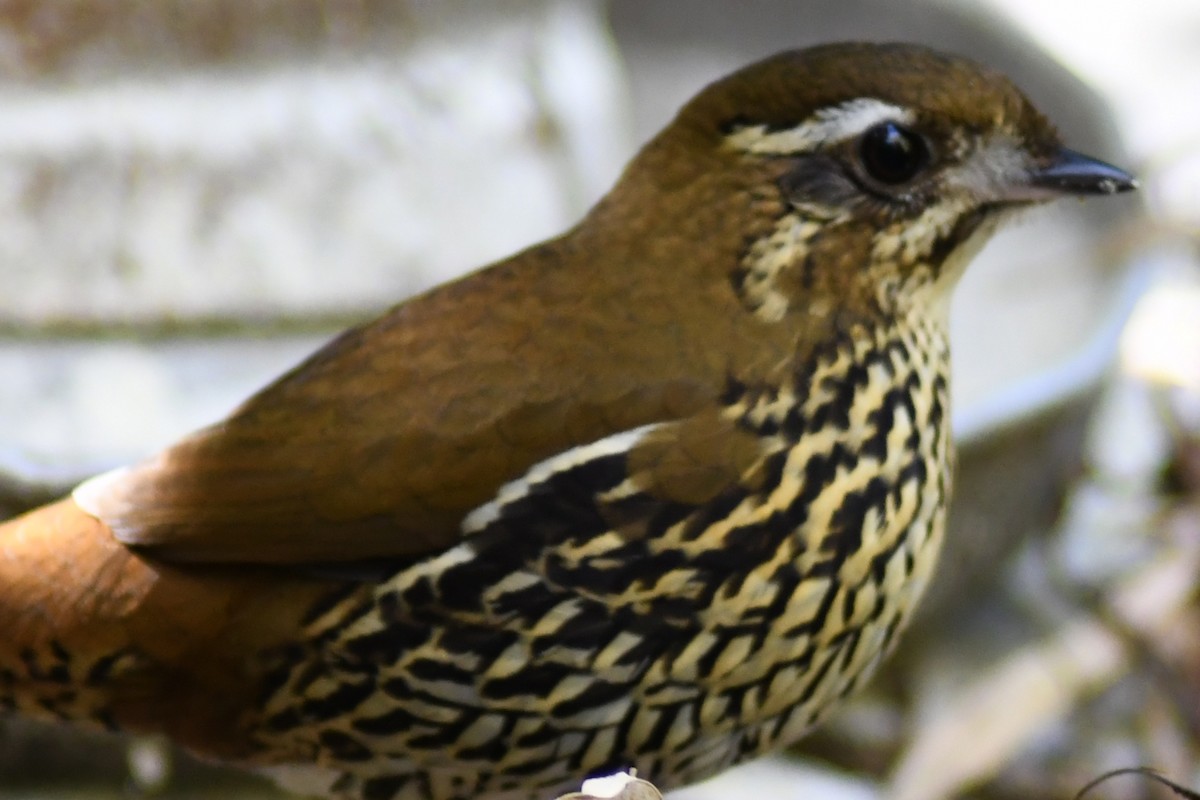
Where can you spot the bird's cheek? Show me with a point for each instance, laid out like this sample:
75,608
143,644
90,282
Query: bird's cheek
818,184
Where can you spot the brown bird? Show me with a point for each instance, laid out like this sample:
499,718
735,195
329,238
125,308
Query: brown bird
654,494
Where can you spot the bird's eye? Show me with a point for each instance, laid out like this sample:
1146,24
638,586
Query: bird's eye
892,154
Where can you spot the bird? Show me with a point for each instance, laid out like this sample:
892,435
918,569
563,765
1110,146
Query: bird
654,494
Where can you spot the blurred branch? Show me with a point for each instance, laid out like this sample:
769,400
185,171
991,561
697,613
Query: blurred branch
167,327
1081,657
19,493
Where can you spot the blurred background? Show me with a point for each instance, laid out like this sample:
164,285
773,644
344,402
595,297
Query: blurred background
195,195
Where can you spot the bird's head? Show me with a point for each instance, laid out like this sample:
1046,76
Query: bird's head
856,176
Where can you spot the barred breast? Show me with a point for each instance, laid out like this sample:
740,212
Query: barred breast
551,644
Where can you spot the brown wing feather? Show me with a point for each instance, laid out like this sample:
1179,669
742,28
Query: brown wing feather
379,443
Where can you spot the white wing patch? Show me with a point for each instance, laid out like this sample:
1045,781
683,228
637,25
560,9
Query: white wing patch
513,491
829,126
95,495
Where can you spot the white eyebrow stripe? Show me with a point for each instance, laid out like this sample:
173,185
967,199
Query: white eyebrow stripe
831,125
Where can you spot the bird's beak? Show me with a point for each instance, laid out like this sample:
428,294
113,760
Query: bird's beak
1069,173
1006,175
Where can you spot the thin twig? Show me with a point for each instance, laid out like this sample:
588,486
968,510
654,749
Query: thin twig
1146,772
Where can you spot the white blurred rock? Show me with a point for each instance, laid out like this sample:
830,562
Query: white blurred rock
325,172
74,408
779,777
288,157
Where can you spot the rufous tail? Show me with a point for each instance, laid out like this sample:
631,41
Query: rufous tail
91,631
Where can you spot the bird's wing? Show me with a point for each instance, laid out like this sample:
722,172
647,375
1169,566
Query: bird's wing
619,517
379,444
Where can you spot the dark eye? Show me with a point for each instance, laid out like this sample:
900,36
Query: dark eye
892,154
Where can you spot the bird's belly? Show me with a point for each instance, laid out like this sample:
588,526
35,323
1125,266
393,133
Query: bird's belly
533,696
